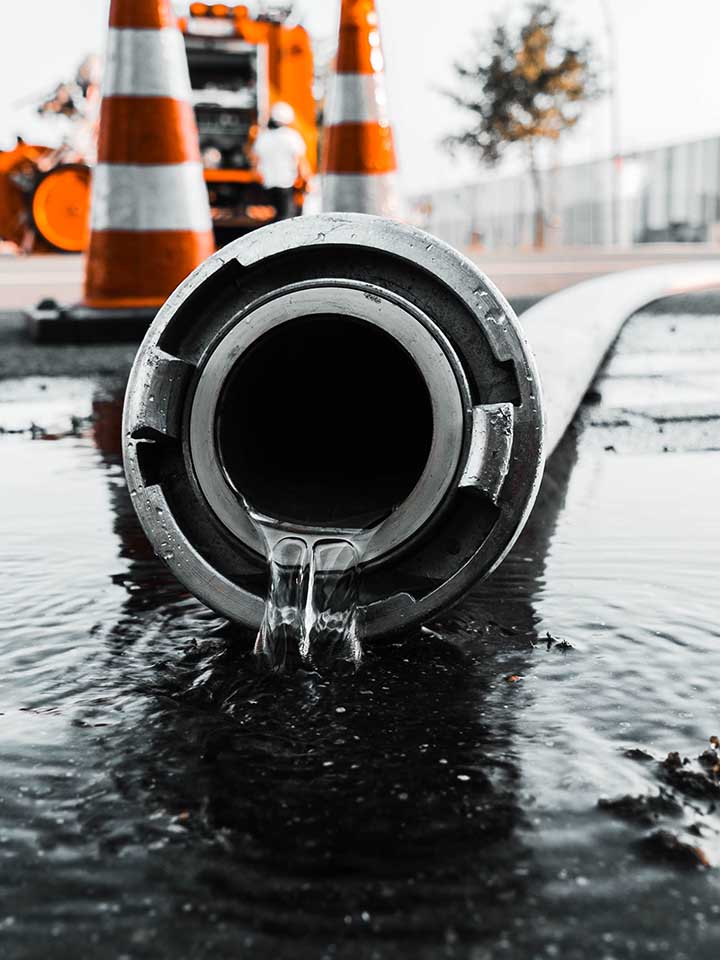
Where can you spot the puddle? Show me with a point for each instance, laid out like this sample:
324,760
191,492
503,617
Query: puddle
161,798
45,407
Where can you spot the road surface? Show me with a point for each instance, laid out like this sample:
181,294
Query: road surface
521,275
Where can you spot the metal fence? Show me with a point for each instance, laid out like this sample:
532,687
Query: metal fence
669,193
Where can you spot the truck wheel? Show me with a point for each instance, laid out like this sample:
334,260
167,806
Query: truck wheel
61,207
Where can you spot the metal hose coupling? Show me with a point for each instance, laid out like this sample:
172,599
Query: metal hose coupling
335,372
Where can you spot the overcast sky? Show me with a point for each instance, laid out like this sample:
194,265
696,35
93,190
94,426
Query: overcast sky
668,67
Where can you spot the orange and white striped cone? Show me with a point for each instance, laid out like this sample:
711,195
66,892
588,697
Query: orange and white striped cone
358,163
150,215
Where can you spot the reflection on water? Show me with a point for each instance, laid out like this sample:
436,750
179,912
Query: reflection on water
161,797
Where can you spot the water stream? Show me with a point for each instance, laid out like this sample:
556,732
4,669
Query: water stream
312,613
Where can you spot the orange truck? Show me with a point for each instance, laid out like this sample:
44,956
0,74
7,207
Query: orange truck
239,67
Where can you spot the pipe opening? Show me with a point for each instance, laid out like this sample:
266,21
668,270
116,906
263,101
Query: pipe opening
324,421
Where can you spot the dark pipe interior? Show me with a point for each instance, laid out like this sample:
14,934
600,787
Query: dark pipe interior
325,421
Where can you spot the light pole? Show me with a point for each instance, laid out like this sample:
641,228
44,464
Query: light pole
615,146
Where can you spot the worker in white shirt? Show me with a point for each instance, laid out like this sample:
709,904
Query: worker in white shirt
280,157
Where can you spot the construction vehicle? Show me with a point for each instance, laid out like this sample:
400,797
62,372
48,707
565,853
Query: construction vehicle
45,190
43,202
239,67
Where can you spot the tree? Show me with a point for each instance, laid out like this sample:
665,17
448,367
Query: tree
522,87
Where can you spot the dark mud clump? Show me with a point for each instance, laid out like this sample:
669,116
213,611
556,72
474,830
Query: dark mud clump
644,810
640,756
696,784
557,643
662,846
682,784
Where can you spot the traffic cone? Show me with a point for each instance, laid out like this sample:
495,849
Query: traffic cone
150,216
358,163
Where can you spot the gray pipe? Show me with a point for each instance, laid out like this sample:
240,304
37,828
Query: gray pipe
343,372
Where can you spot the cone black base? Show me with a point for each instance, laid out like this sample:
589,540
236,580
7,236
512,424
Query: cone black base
51,322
